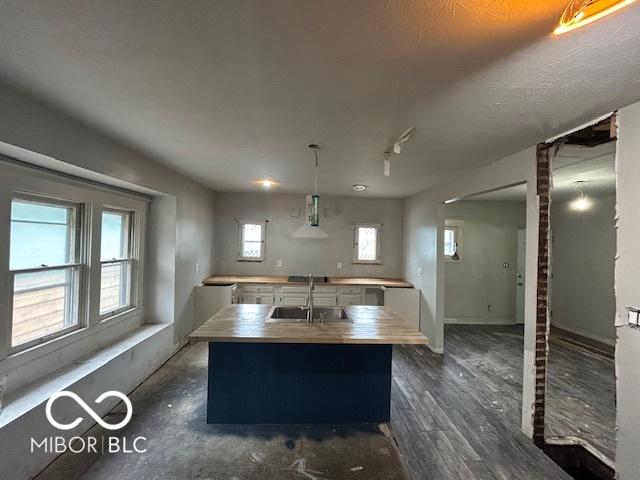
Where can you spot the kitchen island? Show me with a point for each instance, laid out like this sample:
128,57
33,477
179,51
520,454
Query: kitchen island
279,372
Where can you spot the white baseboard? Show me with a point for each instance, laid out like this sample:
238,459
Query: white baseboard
481,321
586,333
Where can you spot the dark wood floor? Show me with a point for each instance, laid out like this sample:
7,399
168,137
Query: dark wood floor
581,393
458,416
455,416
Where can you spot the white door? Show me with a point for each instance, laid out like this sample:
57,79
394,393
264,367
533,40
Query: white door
520,271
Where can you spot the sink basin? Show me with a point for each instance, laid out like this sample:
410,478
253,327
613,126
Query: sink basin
299,315
305,279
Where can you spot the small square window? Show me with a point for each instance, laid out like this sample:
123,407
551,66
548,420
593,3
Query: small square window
453,240
367,243
251,241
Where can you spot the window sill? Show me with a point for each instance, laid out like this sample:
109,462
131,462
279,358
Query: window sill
22,357
36,393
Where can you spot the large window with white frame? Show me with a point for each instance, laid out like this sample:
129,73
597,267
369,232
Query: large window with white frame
72,253
116,262
251,240
45,269
366,243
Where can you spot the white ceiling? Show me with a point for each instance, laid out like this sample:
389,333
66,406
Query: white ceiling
594,166
233,90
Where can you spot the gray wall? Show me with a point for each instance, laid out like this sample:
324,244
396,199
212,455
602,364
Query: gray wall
583,256
300,255
627,273
181,224
489,239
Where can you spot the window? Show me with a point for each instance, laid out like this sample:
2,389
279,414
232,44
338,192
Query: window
44,269
252,241
367,243
116,262
453,239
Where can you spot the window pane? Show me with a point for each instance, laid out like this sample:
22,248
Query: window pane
367,240
252,232
43,303
40,234
449,241
251,240
115,236
251,249
115,280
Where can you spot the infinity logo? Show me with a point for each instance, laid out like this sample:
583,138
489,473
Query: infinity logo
89,410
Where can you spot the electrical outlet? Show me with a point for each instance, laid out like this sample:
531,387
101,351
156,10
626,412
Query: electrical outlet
505,265
490,308
339,265
279,263
197,267
419,271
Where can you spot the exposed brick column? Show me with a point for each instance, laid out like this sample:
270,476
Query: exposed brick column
543,169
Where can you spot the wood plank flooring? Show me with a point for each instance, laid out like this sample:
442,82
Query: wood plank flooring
458,416
455,416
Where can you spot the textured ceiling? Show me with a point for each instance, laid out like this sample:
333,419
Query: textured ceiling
231,91
594,166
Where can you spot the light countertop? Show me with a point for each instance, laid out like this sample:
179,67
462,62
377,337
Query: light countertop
246,323
282,280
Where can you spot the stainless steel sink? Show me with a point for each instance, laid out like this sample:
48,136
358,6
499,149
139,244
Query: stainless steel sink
300,315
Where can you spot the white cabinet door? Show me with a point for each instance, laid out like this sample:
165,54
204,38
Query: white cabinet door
294,300
324,300
265,299
348,299
250,298
406,303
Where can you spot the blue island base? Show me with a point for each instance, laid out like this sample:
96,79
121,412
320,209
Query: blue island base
258,383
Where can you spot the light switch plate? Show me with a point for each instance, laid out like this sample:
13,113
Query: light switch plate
419,271
278,263
339,265
633,316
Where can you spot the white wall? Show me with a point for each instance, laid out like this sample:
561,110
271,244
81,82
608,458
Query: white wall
479,279
423,246
627,275
582,263
180,234
302,255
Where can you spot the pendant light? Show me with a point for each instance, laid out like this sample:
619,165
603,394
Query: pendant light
582,12
581,203
311,227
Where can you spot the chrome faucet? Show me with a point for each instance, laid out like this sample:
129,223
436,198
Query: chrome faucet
310,311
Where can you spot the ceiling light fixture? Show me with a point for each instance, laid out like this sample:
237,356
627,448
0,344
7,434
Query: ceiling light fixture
266,183
311,227
583,12
581,203
358,187
387,164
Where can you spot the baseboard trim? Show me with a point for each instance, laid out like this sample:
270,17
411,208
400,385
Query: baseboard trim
480,321
586,333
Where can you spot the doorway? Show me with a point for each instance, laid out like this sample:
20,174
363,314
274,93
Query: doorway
484,292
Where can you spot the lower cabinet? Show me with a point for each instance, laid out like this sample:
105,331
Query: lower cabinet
348,299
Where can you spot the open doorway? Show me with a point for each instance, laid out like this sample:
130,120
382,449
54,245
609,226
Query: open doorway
580,402
484,282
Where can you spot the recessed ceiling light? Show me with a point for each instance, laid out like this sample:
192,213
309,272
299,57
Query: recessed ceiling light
266,183
582,12
358,187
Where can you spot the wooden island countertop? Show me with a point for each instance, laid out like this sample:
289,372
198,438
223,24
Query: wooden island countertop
244,323
281,280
